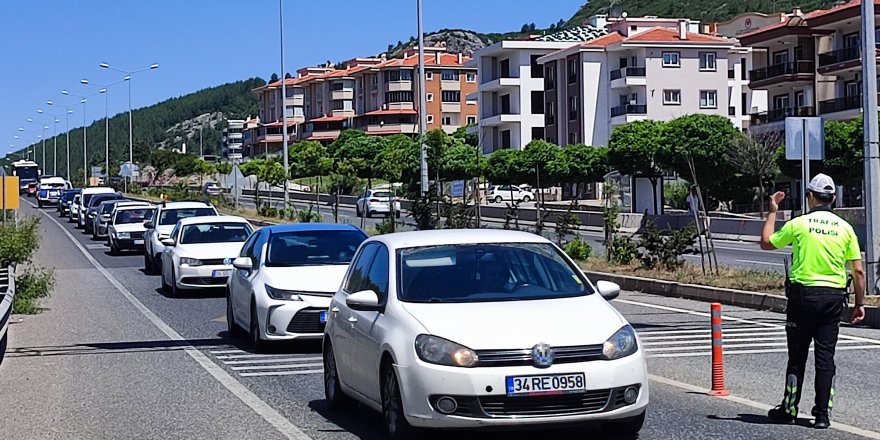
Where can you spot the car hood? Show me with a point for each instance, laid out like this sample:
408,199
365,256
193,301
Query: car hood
164,230
325,279
129,227
512,325
210,251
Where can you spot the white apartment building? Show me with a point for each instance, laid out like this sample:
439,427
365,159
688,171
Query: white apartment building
233,141
511,89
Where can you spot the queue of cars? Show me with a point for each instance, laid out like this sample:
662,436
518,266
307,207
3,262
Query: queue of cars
451,329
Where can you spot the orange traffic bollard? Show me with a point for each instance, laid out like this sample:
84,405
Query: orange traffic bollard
718,387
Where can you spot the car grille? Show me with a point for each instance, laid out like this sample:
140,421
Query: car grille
564,355
306,321
204,281
137,235
503,406
214,262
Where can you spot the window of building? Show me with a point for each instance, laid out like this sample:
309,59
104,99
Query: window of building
398,75
744,104
337,104
572,108
429,76
537,133
504,101
449,75
800,99
337,86
402,96
672,97
851,88
471,120
550,114
671,59
537,102
572,138
504,68
781,101
743,72
447,120
430,119
707,61
536,70
550,76
572,71
851,40
451,96
780,57
429,97
708,99
471,77
505,139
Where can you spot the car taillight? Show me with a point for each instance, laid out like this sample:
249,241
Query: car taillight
375,200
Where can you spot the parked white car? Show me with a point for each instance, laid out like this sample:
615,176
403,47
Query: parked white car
480,329
167,215
508,193
377,201
73,212
284,278
85,201
199,252
126,227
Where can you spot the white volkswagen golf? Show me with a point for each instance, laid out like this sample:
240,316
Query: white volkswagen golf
199,252
479,329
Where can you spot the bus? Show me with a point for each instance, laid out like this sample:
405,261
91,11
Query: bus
27,172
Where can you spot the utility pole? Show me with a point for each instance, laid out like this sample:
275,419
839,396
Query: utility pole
872,141
423,118
283,109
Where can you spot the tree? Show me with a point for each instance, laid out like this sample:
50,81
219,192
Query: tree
635,149
500,167
461,162
755,157
461,133
704,140
532,27
540,161
399,160
274,77
436,143
524,28
584,164
310,159
224,168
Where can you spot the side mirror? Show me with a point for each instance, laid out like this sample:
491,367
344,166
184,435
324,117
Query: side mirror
149,225
168,241
243,263
364,301
608,290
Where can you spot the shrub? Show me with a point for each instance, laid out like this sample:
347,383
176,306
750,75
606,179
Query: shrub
19,241
31,286
386,226
566,224
676,194
664,249
267,211
578,249
423,212
308,216
623,250
458,215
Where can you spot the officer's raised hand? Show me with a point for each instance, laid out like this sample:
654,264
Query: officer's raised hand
775,200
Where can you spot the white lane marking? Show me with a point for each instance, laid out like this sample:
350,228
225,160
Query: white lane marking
282,373
226,351
725,335
761,351
262,356
277,367
704,331
94,247
758,405
760,262
708,342
260,407
269,361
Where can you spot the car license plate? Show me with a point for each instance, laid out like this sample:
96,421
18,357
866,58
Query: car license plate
322,317
546,384
138,242
221,273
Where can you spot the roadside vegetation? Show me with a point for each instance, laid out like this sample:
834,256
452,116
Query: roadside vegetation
19,240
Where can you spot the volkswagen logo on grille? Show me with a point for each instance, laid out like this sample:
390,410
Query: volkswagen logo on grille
543,355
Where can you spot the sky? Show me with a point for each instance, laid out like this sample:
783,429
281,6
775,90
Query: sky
50,45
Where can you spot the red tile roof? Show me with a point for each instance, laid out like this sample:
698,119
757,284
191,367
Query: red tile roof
668,35
810,15
322,137
329,119
446,60
290,123
391,112
605,40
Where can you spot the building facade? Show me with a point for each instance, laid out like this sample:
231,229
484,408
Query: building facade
233,140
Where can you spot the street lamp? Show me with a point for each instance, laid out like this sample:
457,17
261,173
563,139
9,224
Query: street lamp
43,137
55,121
105,89
82,100
284,110
68,112
128,75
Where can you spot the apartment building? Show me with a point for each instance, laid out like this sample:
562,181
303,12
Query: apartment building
267,136
511,89
644,68
233,140
809,64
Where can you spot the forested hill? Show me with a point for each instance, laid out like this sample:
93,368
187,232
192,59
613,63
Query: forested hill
703,10
159,124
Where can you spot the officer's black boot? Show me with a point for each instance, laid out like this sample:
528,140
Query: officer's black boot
781,414
788,411
822,421
824,399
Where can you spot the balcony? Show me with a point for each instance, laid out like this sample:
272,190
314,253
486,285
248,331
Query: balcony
498,84
627,71
627,77
792,71
629,109
840,104
779,114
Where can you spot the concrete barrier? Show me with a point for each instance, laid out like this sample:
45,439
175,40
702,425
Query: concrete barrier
7,293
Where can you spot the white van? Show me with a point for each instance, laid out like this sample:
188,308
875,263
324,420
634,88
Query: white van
86,197
49,190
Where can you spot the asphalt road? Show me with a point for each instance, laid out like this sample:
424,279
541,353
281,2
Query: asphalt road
112,357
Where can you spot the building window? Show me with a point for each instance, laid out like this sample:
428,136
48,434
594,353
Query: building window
537,133
447,120
429,76
707,61
672,97
536,70
537,102
851,88
449,75
471,77
572,108
780,57
471,120
398,75
780,102
572,138
505,139
572,71
337,86
337,104
708,99
429,97
671,59
743,72
550,114
430,119
550,76
451,96
399,97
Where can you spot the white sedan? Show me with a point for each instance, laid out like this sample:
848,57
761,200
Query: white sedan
199,252
284,279
377,201
480,329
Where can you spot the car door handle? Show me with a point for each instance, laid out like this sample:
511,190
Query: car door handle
352,319
335,310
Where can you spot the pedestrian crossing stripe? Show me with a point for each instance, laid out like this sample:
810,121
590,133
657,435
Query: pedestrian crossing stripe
246,364
694,340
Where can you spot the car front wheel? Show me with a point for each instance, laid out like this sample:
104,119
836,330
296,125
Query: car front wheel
527,199
231,327
336,399
498,199
396,426
256,341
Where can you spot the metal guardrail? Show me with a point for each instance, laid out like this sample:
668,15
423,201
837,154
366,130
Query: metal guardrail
7,292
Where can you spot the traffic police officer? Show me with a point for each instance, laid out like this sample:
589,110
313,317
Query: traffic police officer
822,244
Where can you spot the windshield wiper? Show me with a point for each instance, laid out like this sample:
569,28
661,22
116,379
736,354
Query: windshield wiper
441,300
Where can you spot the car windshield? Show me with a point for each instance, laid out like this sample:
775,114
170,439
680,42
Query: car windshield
487,273
215,233
67,196
171,216
96,200
308,248
127,216
107,208
381,194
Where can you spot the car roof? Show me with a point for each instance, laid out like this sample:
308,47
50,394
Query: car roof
114,201
98,190
410,239
128,205
207,219
306,227
185,205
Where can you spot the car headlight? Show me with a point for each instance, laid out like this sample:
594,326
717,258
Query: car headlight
434,350
282,295
123,235
184,261
621,344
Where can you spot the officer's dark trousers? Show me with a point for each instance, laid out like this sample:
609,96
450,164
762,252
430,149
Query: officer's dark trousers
813,318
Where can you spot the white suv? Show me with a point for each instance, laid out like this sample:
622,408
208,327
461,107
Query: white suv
509,193
167,215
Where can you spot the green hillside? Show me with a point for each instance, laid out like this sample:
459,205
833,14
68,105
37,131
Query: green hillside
704,10
156,125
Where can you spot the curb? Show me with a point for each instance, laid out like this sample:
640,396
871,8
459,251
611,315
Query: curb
732,297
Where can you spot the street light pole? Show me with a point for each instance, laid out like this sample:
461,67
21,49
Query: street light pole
67,113
82,101
423,118
872,145
285,157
